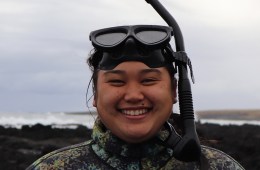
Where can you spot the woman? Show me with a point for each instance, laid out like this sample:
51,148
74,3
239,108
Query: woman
134,92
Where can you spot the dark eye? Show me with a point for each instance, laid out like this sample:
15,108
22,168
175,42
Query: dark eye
116,82
149,81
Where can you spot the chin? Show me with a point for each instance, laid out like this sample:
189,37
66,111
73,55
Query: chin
138,137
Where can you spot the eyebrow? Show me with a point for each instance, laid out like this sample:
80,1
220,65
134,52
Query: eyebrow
114,72
151,70
143,71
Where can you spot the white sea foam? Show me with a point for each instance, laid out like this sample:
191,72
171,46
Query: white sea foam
65,120
230,122
55,119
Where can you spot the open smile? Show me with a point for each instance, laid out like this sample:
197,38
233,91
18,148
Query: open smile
135,112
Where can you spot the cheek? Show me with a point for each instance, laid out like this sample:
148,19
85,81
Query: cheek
167,94
160,94
107,96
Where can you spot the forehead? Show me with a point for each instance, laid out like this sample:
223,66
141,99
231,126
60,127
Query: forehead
134,67
127,64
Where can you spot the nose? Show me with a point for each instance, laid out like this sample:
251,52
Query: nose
133,93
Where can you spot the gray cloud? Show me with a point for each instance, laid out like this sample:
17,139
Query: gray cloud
44,45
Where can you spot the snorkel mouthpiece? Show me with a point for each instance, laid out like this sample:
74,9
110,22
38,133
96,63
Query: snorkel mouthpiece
130,52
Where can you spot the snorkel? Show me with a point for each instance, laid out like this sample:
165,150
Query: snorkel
185,147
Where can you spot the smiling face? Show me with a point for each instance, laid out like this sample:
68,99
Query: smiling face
133,100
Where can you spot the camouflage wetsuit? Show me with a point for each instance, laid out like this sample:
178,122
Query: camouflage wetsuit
106,151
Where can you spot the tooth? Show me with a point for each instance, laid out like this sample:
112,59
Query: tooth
134,112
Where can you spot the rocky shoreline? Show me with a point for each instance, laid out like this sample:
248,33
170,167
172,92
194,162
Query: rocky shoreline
20,147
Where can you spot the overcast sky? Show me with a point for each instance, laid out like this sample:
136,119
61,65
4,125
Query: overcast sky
44,45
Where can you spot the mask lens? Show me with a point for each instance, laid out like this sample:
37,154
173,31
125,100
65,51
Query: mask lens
110,39
151,37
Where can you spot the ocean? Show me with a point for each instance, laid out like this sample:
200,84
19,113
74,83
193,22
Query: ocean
55,119
72,120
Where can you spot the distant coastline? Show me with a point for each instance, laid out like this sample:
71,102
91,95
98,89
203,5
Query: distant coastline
87,118
239,114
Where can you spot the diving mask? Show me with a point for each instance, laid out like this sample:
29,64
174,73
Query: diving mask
144,43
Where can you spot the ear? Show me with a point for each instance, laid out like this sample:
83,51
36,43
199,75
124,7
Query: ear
174,93
174,97
94,103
